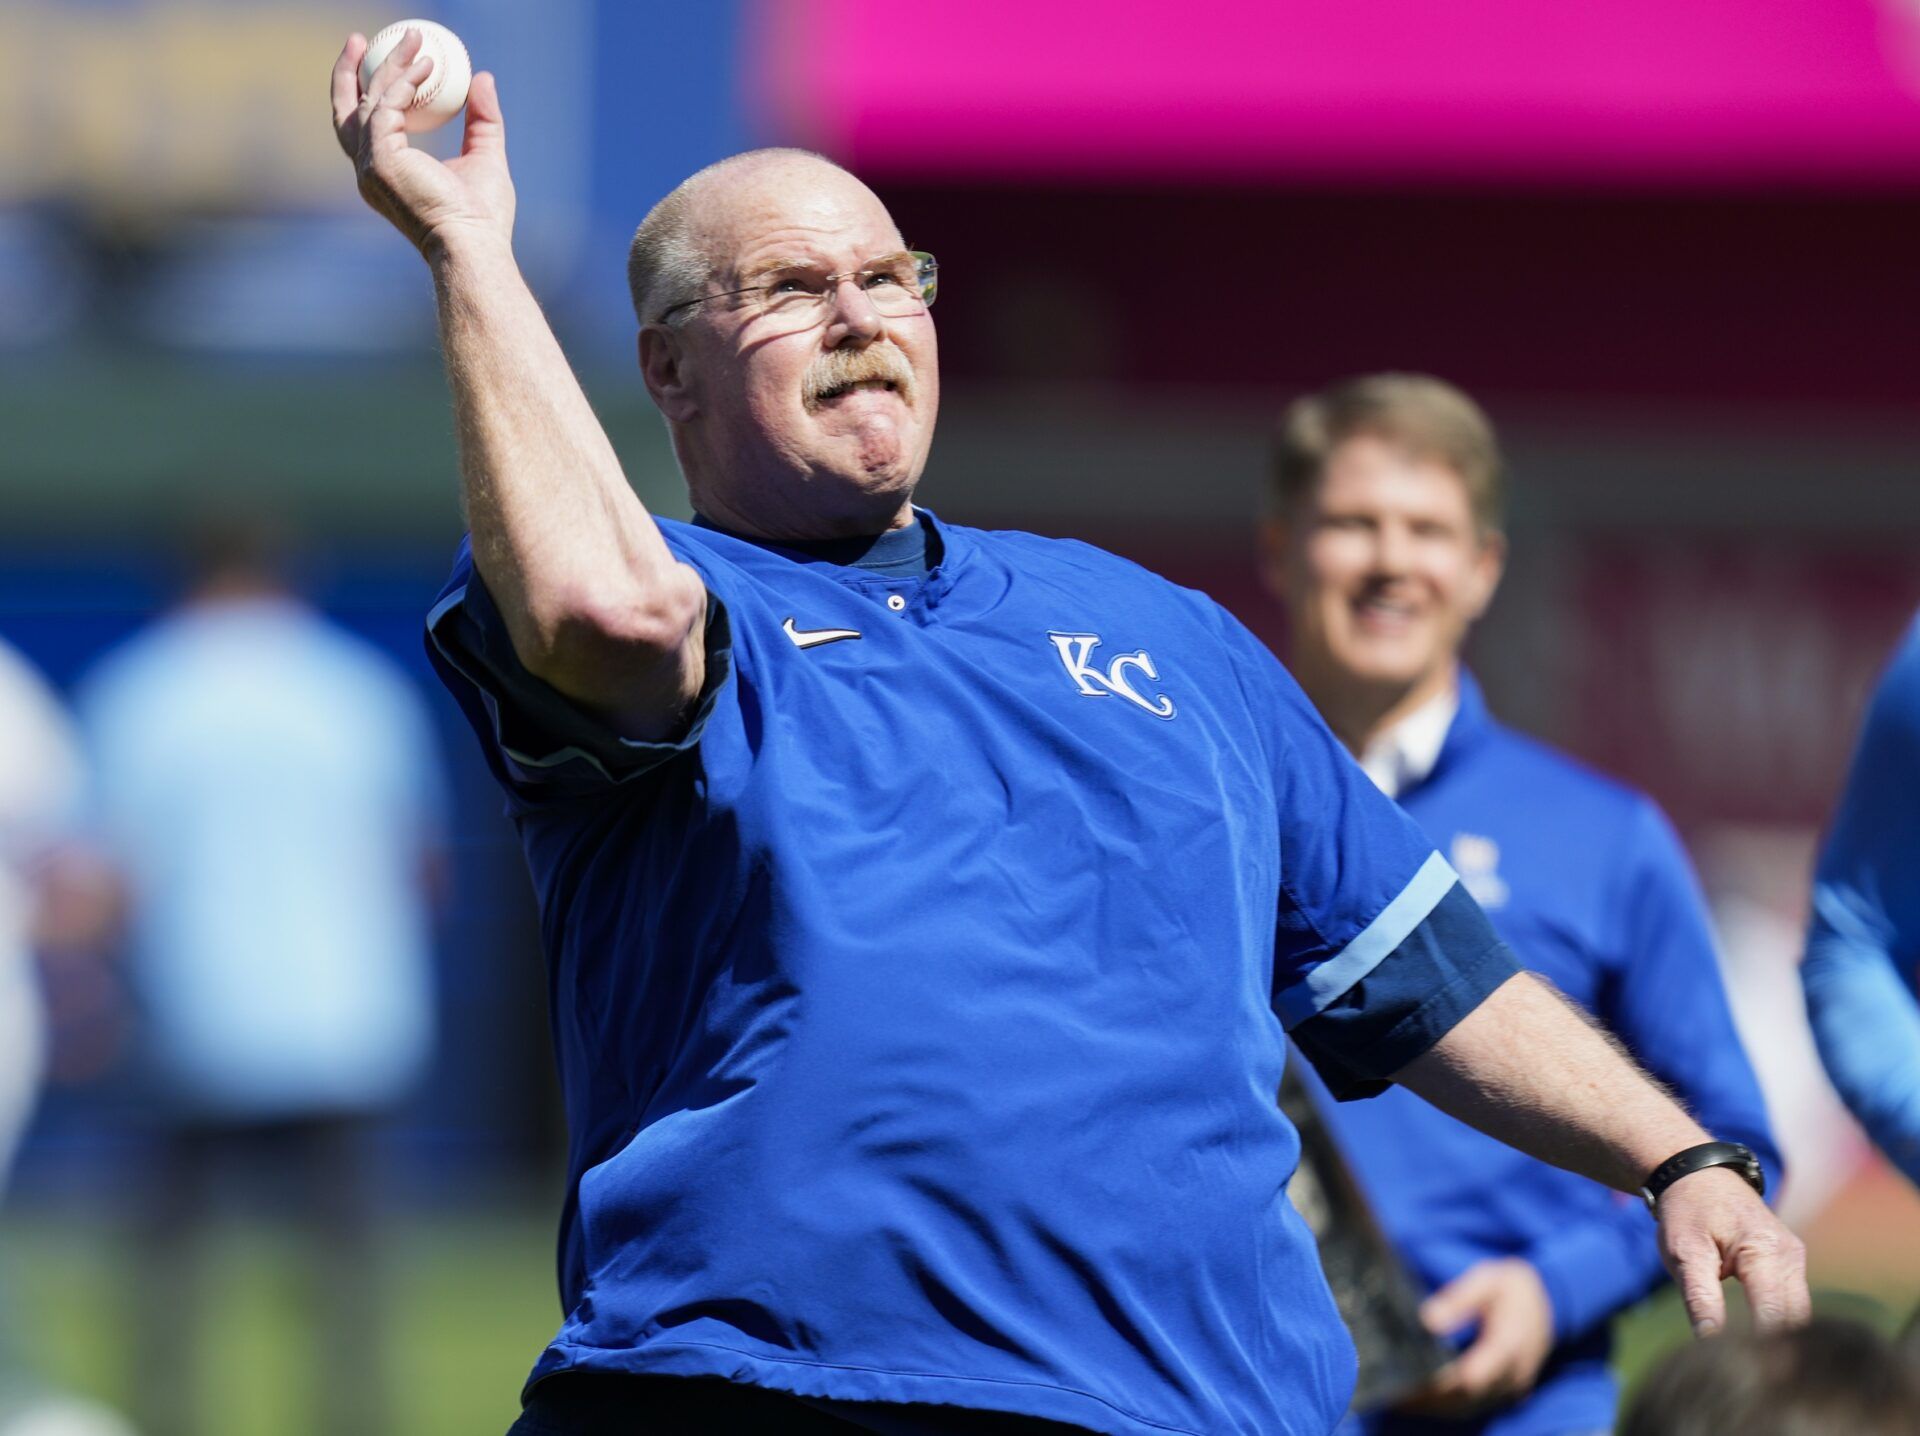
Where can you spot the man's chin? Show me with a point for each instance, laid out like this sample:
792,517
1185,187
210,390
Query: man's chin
1385,670
877,462
862,494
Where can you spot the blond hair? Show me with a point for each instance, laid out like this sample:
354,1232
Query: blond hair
1427,417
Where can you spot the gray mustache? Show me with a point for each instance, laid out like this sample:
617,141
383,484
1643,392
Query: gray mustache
840,368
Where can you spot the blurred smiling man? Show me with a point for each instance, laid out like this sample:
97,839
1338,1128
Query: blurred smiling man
922,904
1384,544
1386,548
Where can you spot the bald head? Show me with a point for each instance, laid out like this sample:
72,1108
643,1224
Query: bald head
680,244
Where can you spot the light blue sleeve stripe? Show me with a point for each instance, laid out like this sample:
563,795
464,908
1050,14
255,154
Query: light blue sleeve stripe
439,611
1319,988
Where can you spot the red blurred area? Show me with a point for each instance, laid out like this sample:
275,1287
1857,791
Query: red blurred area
1797,298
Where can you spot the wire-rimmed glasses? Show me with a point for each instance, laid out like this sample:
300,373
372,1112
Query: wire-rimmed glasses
794,297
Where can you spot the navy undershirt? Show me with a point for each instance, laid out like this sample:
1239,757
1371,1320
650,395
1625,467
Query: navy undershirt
897,553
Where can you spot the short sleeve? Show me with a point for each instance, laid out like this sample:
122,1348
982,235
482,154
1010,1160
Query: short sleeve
1378,950
540,744
1863,944
1869,875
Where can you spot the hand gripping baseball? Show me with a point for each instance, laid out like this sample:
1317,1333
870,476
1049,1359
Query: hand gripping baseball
426,199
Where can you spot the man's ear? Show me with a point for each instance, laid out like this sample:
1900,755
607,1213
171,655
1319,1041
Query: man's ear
1276,542
1489,565
665,366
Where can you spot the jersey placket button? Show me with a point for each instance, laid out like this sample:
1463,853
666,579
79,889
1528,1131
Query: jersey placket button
896,602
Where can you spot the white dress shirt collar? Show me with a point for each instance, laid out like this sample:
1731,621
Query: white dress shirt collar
1402,756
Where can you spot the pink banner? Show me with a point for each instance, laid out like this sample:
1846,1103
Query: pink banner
1713,91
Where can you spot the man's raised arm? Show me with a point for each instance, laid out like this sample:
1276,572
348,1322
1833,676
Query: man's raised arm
1525,1067
595,602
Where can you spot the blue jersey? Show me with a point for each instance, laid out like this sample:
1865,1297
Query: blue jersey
919,1013
1862,968
1589,885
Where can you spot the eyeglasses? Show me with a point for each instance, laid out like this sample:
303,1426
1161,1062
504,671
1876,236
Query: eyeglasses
797,298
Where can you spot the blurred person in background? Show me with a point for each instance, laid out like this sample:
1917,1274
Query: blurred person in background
1861,971
1832,1377
40,786
41,889
914,969
269,795
40,789
1384,544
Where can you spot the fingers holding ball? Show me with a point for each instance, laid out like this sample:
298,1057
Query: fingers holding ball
443,93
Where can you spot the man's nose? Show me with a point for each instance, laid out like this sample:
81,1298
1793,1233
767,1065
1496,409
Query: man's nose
1392,548
851,316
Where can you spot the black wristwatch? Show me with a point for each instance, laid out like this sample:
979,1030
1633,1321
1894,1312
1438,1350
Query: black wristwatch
1698,1159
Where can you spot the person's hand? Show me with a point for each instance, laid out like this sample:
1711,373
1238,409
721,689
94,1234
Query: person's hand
1712,1226
424,198
1509,1301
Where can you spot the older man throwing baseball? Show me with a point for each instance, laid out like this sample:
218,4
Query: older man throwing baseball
924,906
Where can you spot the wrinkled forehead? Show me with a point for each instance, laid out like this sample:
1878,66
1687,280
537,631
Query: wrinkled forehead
798,209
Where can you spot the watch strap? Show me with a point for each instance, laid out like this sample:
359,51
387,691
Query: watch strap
1697,1159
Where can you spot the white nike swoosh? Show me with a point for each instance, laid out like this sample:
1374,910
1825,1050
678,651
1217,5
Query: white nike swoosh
814,637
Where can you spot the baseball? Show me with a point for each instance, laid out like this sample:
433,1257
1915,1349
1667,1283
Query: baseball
444,91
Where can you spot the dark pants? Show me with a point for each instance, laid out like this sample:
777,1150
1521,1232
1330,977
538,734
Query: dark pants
314,1171
590,1404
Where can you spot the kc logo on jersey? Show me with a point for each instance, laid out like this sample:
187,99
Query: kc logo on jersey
1076,651
1477,860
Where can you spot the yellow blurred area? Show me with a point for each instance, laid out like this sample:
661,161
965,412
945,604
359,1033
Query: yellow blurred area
140,112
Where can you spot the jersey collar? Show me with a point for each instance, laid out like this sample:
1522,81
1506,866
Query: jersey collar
1472,722
951,545
1401,758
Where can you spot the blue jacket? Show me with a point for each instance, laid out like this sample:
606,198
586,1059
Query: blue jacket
1588,884
1862,971
919,1011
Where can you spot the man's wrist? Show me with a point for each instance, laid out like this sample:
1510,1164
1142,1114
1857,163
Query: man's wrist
1701,1157
452,246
